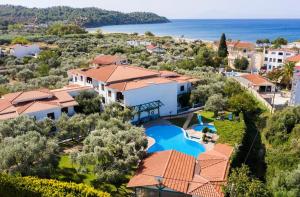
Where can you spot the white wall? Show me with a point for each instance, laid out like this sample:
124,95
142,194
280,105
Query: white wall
166,93
43,114
271,58
20,51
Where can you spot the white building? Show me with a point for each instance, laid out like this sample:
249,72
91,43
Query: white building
155,49
150,93
136,43
109,60
240,49
20,51
293,45
295,93
275,58
41,103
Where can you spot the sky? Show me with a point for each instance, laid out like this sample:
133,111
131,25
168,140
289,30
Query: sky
184,9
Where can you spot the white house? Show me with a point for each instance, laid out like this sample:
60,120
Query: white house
137,43
41,103
109,60
20,51
275,58
150,93
295,93
293,45
155,49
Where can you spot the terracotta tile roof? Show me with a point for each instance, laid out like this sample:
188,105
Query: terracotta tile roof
241,44
107,59
18,97
183,173
135,84
256,79
71,88
116,73
14,104
151,47
295,59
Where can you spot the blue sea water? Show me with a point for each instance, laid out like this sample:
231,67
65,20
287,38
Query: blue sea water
172,138
211,29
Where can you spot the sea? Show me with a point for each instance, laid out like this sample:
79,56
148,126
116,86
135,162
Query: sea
211,29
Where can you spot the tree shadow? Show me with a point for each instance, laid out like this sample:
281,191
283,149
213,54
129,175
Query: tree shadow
252,150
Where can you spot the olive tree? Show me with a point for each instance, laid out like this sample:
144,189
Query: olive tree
113,150
28,154
215,103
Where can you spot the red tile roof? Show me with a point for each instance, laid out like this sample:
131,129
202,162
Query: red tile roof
295,59
185,174
15,104
256,79
107,59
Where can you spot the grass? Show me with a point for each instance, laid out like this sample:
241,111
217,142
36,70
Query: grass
66,171
230,132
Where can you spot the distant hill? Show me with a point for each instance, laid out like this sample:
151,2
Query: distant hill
88,17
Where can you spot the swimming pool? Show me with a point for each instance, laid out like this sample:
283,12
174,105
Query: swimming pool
200,127
170,137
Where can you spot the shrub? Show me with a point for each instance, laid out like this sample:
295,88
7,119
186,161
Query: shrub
35,187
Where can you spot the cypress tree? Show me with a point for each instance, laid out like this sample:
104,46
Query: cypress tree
222,51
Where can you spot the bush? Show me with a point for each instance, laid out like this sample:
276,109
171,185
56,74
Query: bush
35,187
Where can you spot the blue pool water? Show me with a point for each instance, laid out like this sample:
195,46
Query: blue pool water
201,127
172,138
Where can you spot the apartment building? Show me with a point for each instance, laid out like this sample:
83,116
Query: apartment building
150,93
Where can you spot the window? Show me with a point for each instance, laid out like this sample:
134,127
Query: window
51,115
109,93
279,60
75,79
273,53
103,100
288,54
81,78
266,52
89,80
274,59
280,53
65,110
270,60
102,87
266,59
181,88
270,67
245,50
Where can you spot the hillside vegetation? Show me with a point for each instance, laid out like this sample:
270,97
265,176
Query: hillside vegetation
88,17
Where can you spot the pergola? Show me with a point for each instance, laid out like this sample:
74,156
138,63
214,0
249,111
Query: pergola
147,107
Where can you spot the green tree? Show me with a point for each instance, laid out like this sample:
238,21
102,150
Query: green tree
3,79
24,75
240,184
242,102
43,70
287,74
223,51
279,41
89,102
20,40
115,110
28,154
61,29
149,33
113,150
215,103
241,63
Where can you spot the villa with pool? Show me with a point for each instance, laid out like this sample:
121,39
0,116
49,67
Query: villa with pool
180,163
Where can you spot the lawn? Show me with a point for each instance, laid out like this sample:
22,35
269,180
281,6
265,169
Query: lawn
230,132
66,171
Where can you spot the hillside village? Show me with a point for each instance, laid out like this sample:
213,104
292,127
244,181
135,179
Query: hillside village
142,115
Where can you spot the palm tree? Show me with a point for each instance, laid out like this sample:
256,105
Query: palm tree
287,73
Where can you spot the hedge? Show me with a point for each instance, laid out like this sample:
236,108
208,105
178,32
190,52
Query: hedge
35,187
